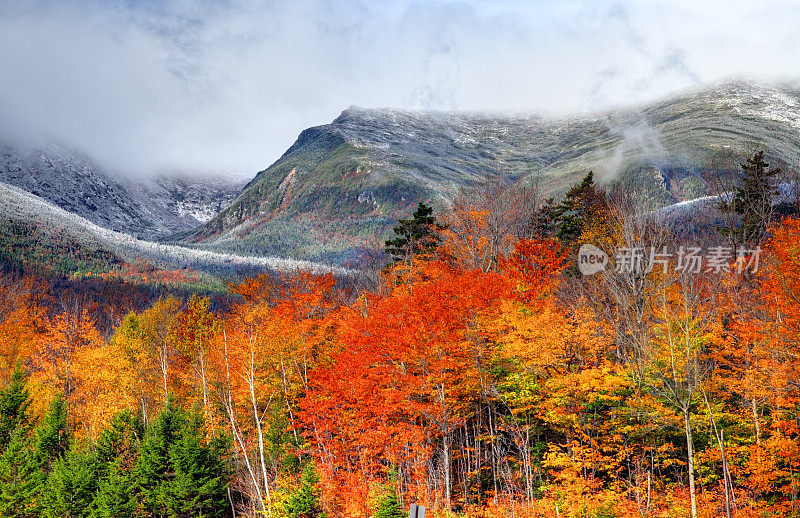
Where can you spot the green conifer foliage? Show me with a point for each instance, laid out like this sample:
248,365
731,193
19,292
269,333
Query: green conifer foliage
575,209
752,201
14,407
114,498
177,473
20,477
119,442
52,435
389,507
418,235
304,501
70,489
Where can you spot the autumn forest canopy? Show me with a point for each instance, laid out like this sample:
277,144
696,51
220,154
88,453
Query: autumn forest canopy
478,373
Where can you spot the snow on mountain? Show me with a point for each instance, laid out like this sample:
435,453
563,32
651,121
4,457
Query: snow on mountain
340,188
149,208
17,203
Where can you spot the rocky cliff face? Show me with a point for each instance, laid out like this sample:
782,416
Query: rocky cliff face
151,208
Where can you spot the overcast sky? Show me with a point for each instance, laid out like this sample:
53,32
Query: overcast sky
146,86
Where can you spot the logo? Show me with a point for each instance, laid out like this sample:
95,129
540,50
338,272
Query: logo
591,259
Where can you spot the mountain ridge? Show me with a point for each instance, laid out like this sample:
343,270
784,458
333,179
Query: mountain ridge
25,207
151,208
353,178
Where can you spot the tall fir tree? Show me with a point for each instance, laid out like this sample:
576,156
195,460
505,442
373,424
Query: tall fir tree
117,450
417,236
70,488
752,202
52,435
177,473
114,498
544,222
14,407
304,502
575,210
21,478
119,442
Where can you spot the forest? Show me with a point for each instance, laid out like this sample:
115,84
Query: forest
478,374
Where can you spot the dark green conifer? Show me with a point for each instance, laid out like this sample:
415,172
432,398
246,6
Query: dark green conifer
752,201
120,441
114,498
417,236
177,473
574,211
71,486
304,502
14,407
52,435
117,450
21,478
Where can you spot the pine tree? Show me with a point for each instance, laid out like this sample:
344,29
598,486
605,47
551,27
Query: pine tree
544,220
14,407
417,236
177,474
117,450
752,201
304,501
114,498
389,507
29,458
572,214
52,435
70,488
21,478
120,441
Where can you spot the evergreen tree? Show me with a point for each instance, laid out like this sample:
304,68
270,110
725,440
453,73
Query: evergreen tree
120,441
177,474
29,457
304,501
575,210
20,477
114,498
544,219
389,507
14,407
117,450
52,435
752,201
70,488
417,236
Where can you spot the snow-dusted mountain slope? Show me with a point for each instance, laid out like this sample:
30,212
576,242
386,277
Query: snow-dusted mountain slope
342,186
17,204
149,208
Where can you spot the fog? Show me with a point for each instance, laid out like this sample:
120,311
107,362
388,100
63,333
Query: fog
146,87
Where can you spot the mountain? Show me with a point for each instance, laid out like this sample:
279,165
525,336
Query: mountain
149,208
36,233
340,188
195,199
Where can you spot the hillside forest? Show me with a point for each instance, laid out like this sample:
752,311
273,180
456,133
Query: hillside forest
478,374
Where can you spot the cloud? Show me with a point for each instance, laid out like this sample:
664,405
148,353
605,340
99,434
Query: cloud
216,86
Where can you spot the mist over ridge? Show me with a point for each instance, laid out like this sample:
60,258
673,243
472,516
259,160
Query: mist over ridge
146,87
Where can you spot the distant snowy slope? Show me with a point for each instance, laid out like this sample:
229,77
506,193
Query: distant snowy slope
19,204
149,208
